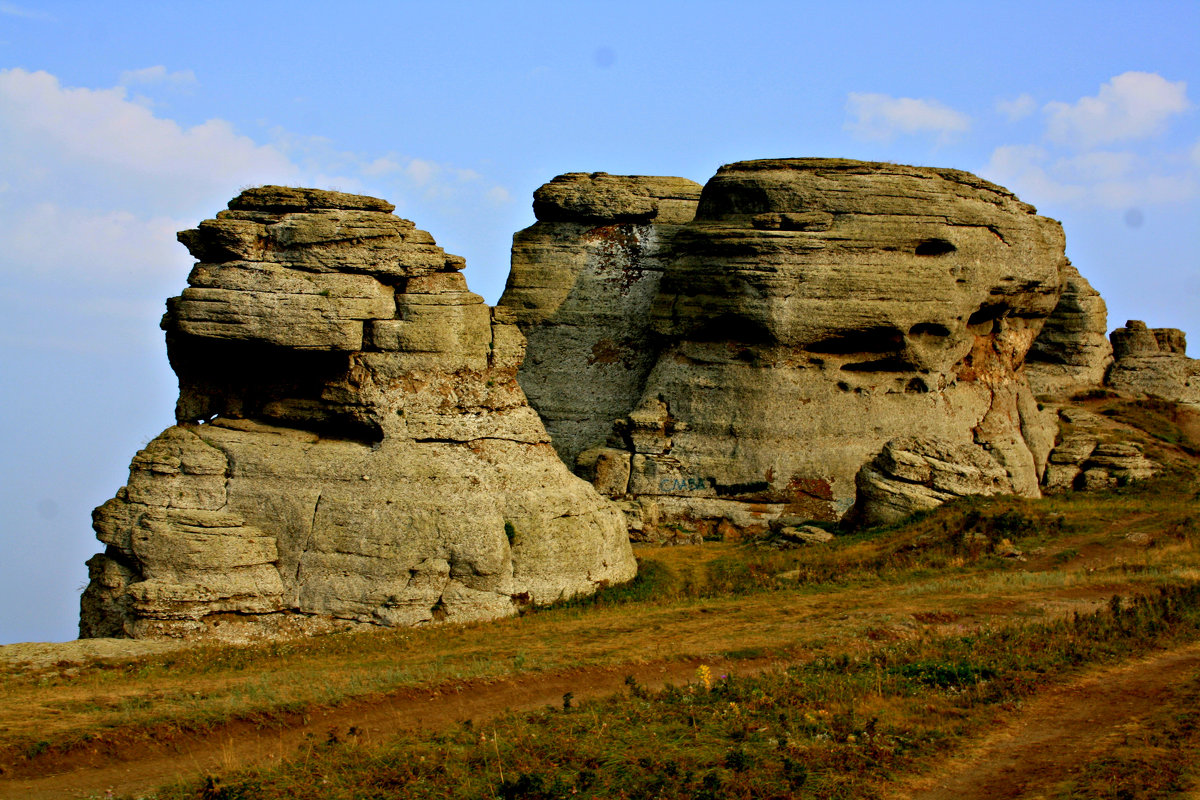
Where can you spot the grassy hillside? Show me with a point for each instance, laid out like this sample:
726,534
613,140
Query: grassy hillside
832,671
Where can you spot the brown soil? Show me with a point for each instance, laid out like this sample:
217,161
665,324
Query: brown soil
129,768
1036,749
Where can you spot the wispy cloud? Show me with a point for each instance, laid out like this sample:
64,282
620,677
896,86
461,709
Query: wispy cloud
1131,106
1018,108
158,75
882,117
14,10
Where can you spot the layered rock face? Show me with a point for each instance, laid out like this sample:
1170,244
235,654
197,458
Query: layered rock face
1153,361
1072,352
583,279
352,446
813,311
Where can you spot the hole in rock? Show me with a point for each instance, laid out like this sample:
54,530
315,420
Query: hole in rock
303,389
731,328
890,364
988,312
928,329
935,247
916,386
881,339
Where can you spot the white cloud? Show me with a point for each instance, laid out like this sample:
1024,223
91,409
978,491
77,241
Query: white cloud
881,117
158,75
1017,108
66,141
1131,106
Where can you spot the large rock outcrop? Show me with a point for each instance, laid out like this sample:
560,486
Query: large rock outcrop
352,446
1153,362
811,312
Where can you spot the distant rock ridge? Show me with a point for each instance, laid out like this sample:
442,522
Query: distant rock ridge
812,311
1153,362
352,447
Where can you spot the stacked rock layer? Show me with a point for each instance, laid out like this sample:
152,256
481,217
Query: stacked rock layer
352,446
813,311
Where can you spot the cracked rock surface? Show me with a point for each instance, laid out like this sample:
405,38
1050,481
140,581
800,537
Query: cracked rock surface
812,311
352,447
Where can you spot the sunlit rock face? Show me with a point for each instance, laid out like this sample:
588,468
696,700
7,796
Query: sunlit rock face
813,311
352,447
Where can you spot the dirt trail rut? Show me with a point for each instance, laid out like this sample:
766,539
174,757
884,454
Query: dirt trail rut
1055,731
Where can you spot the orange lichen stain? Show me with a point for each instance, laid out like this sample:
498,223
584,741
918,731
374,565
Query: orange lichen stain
810,487
605,351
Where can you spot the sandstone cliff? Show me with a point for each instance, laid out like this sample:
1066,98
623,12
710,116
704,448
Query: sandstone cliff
812,311
352,446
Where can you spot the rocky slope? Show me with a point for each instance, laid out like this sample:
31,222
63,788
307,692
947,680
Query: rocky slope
813,311
352,446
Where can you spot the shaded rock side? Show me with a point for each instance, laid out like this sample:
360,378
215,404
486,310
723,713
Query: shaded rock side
816,309
1153,362
1072,352
583,279
352,446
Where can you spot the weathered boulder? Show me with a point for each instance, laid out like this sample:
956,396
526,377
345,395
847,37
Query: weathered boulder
912,474
352,446
582,282
814,310
1072,351
1153,361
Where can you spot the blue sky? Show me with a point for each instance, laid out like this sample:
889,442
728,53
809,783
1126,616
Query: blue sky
121,123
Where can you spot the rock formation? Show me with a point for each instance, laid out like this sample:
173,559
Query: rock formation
352,446
812,311
1153,361
1072,352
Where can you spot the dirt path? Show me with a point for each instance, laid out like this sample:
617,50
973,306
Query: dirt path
1062,728
141,768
